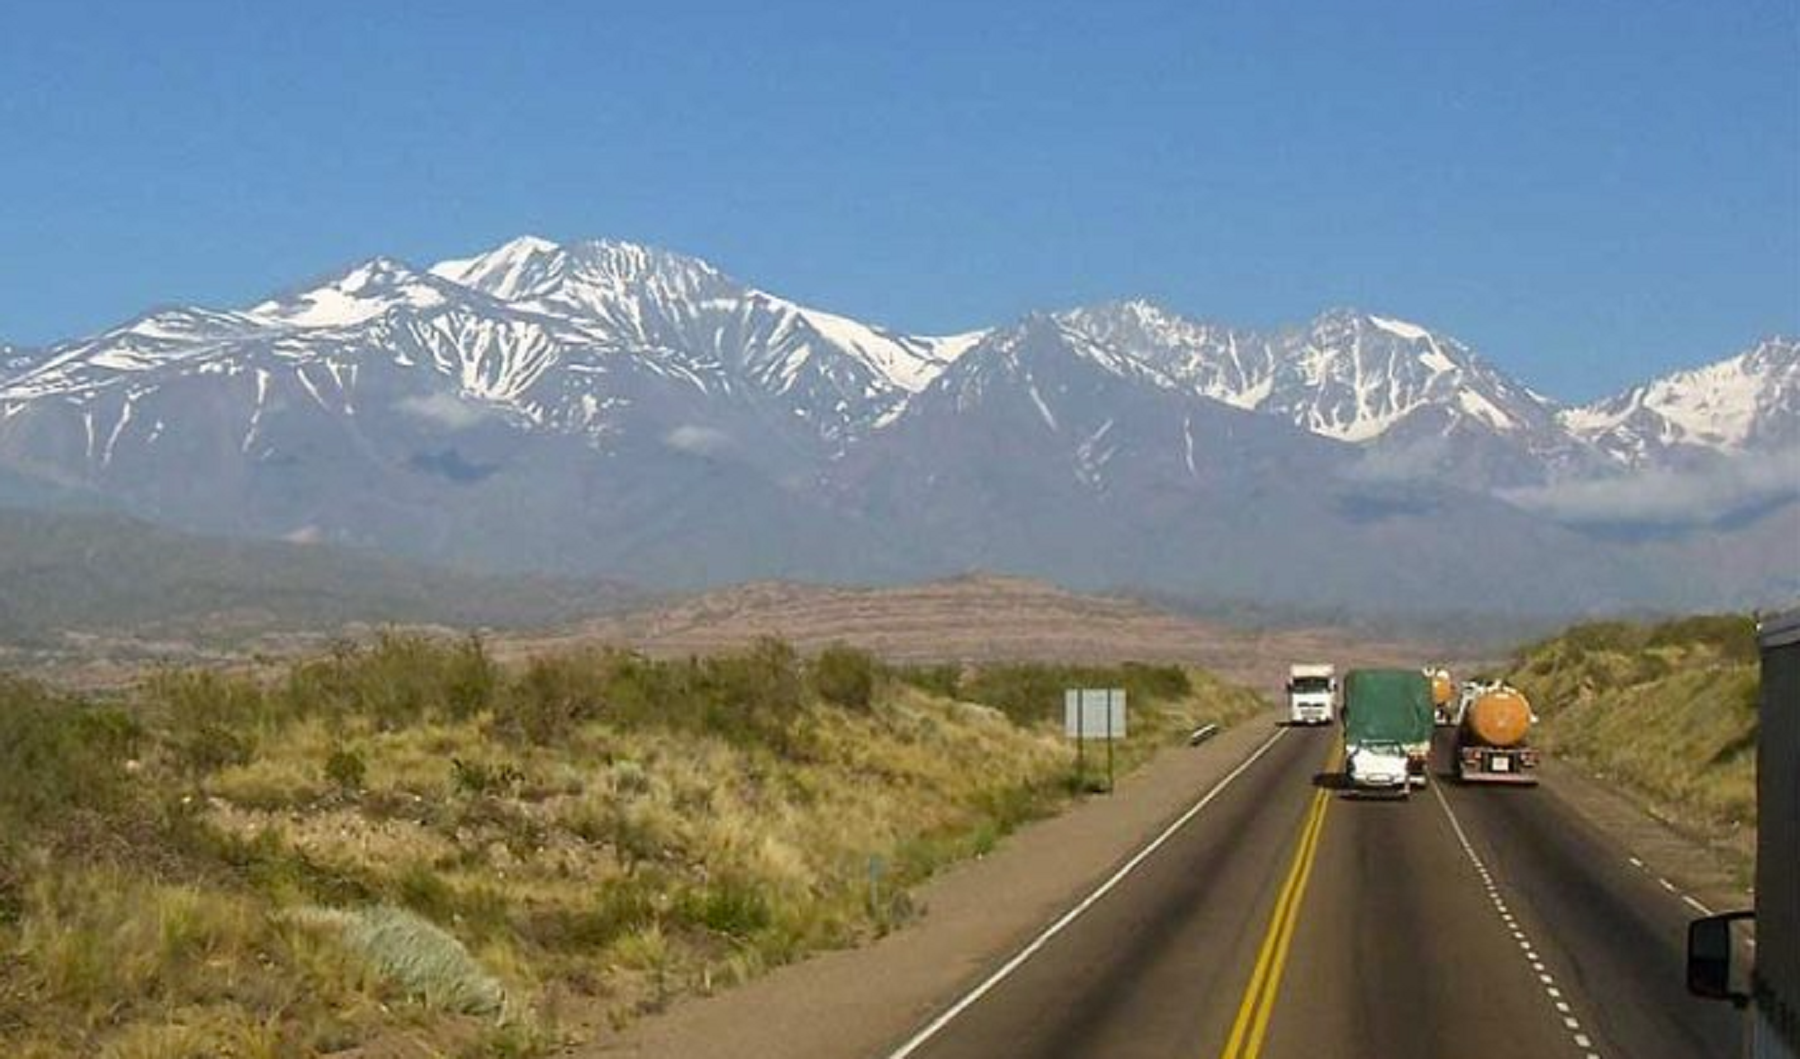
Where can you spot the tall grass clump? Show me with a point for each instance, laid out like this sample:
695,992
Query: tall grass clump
417,956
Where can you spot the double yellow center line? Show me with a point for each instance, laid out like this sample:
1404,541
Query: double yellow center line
1252,1023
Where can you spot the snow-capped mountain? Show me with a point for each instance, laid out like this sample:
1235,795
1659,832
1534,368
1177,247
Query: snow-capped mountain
1419,402
1043,441
1746,403
606,407
844,375
13,360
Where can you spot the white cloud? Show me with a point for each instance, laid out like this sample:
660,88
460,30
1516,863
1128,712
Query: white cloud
305,535
444,409
703,441
1421,459
1673,498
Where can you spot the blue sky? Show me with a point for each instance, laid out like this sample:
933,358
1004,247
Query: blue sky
1589,192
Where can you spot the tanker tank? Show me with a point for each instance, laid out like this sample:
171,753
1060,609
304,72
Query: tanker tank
1493,737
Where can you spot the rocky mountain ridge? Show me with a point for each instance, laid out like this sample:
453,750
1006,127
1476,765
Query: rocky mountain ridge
603,407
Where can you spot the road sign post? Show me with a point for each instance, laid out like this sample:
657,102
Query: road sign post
1094,713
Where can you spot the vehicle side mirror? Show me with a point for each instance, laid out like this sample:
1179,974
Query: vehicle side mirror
1709,949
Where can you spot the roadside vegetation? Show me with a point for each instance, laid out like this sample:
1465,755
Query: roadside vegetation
406,841
1668,711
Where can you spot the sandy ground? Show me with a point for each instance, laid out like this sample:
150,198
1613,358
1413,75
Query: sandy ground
863,1002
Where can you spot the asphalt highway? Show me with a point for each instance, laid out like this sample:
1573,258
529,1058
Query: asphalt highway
1287,919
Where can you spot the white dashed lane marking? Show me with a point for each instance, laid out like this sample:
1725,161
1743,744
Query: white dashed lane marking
1686,898
1563,1010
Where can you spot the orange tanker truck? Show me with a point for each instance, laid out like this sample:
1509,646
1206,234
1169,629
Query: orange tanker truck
1493,726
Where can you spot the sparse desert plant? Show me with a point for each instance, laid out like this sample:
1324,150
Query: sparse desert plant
476,777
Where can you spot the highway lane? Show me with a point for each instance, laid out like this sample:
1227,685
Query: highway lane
1607,929
1401,953
1289,920
1154,968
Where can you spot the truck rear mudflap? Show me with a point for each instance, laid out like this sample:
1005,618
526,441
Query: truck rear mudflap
1480,765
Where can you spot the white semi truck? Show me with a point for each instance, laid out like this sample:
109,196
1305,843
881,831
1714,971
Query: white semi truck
1311,693
1770,992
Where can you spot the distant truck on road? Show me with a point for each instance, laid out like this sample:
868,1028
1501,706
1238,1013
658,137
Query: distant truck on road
1443,696
1773,994
1493,731
1311,692
1387,729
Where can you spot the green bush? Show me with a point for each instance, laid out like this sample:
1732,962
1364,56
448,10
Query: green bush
402,679
763,682
1604,636
211,720
58,754
943,681
345,769
1033,693
549,699
731,906
845,676
620,906
1732,635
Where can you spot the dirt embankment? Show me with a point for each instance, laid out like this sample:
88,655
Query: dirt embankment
973,619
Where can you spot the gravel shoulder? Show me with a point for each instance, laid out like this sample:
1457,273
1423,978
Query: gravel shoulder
862,1002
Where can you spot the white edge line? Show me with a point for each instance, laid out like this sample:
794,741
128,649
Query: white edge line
936,1026
1696,906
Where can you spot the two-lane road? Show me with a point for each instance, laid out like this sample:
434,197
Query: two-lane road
1286,920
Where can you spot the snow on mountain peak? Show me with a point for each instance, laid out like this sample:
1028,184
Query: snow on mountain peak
1723,406
358,294
594,276
909,362
508,270
1410,332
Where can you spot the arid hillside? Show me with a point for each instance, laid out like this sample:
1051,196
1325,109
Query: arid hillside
972,619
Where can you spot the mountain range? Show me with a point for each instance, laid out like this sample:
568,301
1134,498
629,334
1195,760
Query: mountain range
603,408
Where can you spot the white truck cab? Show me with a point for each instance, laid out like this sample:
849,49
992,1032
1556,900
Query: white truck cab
1312,693
1379,767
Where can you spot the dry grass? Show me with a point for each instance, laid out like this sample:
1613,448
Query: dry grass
1668,711
513,854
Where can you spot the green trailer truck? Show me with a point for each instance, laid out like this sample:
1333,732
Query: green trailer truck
1387,730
